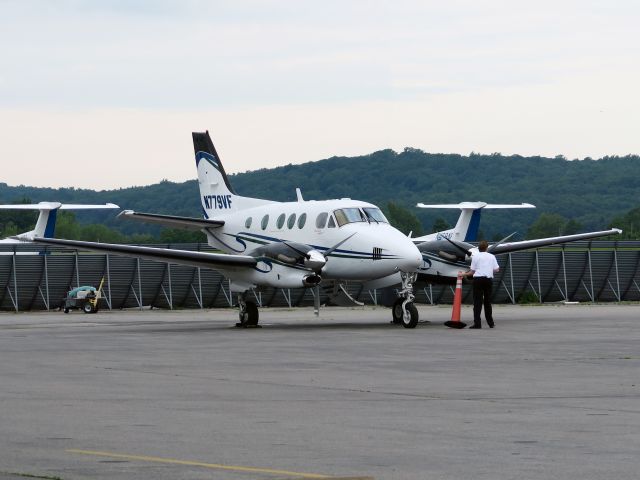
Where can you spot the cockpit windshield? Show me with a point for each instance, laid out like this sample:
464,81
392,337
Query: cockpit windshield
348,215
351,215
375,215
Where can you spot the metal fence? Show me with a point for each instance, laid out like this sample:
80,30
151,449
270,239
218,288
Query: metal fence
37,278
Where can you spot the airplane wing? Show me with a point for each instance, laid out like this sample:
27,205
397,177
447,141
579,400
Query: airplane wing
215,261
542,242
172,221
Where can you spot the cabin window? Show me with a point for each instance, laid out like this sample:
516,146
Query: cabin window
375,215
349,215
247,224
292,221
302,220
265,222
332,223
280,222
321,220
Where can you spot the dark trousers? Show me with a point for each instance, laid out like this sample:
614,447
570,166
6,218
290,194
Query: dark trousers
482,296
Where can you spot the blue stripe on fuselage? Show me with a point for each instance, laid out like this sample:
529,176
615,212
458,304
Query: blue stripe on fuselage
317,247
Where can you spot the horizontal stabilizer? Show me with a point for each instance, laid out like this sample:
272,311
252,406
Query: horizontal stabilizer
55,206
475,205
172,221
468,224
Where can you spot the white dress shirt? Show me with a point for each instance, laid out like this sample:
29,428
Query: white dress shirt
483,264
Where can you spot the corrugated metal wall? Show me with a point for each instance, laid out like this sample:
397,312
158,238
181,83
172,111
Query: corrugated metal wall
37,278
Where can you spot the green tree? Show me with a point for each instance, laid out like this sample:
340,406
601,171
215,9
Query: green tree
403,219
547,225
571,227
100,233
13,222
175,235
67,226
629,223
439,225
552,224
10,229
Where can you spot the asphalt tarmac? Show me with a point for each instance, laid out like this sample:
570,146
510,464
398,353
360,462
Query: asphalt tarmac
553,392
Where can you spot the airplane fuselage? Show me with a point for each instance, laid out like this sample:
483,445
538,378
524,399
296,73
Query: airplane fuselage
373,248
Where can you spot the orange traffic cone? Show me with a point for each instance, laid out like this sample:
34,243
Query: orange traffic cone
457,304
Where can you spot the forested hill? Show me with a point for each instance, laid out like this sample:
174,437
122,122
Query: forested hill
591,192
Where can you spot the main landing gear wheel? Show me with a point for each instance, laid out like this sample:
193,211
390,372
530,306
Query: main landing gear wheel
248,315
407,315
410,316
396,311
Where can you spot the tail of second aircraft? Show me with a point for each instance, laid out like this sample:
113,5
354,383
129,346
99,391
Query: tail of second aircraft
46,223
468,224
217,196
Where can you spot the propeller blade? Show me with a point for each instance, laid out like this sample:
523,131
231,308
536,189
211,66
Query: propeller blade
316,301
328,252
466,252
490,249
298,251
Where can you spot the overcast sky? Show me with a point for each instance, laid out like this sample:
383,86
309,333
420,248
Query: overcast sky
105,94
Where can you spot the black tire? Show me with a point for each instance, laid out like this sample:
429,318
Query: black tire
66,310
87,308
396,311
250,316
411,320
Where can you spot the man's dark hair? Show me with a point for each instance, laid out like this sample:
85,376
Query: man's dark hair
483,245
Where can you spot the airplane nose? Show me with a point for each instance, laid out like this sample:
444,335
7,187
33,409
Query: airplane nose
411,258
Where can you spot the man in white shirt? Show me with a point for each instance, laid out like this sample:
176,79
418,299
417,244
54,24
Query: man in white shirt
483,266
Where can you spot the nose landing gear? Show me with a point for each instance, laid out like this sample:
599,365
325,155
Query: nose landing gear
403,310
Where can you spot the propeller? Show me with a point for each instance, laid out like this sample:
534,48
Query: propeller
314,259
459,247
337,245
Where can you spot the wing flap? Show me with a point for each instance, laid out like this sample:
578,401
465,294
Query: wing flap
172,221
215,261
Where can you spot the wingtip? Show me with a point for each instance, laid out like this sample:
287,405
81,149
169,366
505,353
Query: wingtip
124,213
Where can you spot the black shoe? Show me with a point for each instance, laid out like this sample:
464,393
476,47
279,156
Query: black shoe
492,325
474,326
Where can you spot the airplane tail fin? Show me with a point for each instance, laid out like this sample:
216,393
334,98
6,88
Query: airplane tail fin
217,196
46,223
468,224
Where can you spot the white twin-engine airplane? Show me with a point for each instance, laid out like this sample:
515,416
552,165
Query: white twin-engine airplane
446,253
46,223
281,244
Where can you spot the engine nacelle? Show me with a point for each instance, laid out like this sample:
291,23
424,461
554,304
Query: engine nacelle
451,250
312,280
293,253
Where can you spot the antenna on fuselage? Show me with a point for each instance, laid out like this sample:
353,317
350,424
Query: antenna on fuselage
299,195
